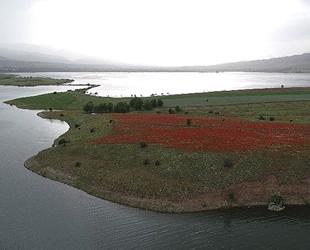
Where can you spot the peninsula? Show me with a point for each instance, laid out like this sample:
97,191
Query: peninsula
194,152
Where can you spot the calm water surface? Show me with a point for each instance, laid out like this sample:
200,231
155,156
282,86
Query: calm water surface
145,84
37,213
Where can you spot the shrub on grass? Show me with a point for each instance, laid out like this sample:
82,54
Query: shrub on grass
277,199
78,164
171,111
146,162
228,163
271,119
177,109
188,122
231,195
143,144
157,163
62,141
261,118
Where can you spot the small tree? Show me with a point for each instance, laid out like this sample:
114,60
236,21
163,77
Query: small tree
136,103
121,107
154,103
109,107
160,103
88,107
148,105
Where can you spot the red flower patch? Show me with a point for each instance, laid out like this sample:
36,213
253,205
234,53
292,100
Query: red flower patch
206,133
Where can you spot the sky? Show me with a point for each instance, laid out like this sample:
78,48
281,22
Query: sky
162,32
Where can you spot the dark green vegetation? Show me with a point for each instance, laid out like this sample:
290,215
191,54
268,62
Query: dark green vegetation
137,104
165,179
10,79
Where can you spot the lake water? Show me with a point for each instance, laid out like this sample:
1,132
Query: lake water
38,213
146,84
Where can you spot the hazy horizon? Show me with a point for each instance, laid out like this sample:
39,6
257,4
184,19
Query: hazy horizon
167,33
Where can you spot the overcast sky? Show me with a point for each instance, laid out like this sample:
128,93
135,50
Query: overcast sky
162,32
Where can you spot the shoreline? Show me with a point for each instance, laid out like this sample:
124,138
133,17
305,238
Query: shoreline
248,194
251,195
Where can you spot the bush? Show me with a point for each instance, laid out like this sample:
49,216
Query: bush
143,144
62,141
261,118
231,195
271,119
228,163
177,109
78,164
277,199
146,162
92,130
188,122
171,111
157,163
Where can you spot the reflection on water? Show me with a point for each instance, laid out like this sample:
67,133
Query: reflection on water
117,84
38,213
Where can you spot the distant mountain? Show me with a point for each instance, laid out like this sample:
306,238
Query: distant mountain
288,64
33,58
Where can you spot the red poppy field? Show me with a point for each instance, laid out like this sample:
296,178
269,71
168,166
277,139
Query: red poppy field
207,133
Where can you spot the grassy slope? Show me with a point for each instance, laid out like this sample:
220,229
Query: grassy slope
116,172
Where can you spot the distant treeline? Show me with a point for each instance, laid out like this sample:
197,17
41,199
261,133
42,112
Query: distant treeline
123,107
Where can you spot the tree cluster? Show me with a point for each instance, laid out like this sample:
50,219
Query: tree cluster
138,104
122,107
